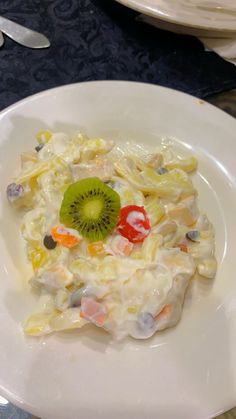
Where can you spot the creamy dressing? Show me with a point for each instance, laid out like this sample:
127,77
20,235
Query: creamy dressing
133,220
132,289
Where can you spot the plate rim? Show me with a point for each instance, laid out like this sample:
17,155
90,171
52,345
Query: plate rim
44,92
141,8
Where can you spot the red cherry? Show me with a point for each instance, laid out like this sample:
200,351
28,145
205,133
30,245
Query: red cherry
134,223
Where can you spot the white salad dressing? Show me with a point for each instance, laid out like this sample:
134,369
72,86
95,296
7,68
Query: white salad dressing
133,220
129,289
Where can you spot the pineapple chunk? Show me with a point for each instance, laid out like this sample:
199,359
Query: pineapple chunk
154,209
186,212
28,157
207,267
68,319
166,227
38,324
150,247
187,165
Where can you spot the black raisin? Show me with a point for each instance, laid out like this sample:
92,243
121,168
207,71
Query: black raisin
39,147
49,243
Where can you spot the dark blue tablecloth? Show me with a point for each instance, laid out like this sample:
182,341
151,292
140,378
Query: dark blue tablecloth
100,39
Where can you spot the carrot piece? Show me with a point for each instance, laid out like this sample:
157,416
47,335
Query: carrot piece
164,312
183,247
66,237
93,311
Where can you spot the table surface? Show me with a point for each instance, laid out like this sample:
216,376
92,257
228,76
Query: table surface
225,101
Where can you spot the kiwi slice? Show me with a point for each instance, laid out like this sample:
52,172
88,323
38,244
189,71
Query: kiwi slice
91,207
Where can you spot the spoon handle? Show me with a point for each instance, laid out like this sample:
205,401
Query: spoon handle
23,35
1,39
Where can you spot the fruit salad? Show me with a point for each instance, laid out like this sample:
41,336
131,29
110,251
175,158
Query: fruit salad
113,234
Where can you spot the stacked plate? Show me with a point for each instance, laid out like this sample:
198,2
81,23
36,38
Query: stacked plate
215,18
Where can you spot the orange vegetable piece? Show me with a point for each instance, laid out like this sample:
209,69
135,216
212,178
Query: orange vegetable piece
66,237
164,312
183,247
96,248
93,311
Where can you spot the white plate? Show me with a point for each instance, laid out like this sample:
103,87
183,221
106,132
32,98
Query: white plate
186,372
207,14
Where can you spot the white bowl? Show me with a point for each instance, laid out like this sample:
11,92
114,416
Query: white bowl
186,372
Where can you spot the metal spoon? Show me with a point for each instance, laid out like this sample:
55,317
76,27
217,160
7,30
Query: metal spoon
22,35
1,39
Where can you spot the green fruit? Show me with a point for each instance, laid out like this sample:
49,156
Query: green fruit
91,207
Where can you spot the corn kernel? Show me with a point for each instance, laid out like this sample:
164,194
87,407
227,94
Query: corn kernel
188,165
